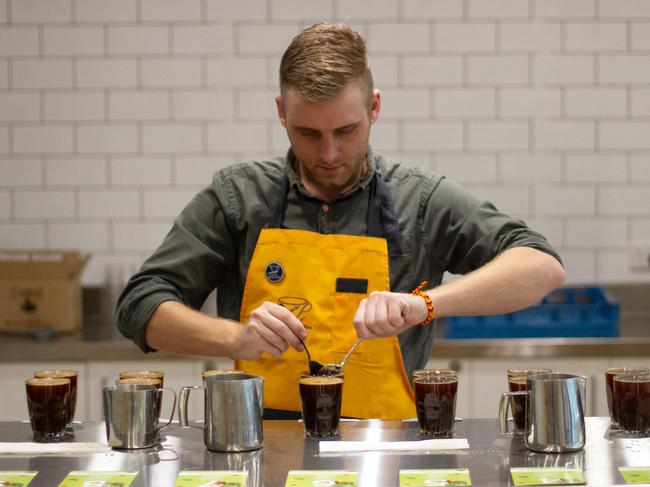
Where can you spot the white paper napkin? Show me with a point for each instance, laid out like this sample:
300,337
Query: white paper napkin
352,446
29,448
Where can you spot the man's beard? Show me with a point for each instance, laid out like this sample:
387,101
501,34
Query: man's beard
335,187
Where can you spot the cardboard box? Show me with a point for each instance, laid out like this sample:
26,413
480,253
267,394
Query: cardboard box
40,289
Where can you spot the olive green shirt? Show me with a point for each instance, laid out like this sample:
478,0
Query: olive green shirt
442,227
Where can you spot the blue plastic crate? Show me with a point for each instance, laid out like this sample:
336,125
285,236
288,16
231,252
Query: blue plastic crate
566,312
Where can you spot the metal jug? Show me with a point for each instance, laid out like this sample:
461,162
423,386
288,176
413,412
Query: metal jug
233,408
131,415
555,412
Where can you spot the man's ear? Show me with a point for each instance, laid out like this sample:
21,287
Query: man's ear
281,112
375,106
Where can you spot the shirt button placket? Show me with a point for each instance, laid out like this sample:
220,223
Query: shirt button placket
324,219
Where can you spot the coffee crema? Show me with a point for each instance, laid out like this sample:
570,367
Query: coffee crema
321,380
140,381
150,374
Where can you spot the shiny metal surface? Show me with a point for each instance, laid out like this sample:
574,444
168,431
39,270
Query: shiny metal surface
339,367
285,448
555,411
555,417
233,409
131,415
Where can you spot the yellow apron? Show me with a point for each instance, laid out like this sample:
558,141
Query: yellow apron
303,271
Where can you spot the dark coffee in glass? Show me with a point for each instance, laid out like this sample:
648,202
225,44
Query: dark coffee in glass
48,403
631,403
518,402
609,387
321,403
64,374
435,403
517,382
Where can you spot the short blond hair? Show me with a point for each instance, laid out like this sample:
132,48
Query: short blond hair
322,60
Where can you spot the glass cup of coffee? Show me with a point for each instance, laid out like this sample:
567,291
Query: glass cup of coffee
517,382
433,372
72,375
48,404
631,403
435,402
149,374
321,397
610,372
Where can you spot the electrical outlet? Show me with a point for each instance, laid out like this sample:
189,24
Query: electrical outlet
640,258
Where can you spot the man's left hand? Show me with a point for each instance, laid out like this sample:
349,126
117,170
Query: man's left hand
386,313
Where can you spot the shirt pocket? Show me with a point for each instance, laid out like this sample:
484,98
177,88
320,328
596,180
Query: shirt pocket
343,332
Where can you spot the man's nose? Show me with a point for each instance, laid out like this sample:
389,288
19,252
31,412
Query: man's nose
328,148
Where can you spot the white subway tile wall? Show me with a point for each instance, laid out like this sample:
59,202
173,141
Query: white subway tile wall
113,114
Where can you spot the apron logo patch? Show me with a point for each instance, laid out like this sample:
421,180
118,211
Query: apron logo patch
297,305
274,272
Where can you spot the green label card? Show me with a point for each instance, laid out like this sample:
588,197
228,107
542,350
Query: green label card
321,478
438,476
16,479
98,479
635,475
547,476
206,478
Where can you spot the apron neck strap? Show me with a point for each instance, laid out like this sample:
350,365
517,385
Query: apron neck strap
381,218
277,219
382,221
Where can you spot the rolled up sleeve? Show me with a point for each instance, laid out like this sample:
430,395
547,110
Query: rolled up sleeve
472,232
186,267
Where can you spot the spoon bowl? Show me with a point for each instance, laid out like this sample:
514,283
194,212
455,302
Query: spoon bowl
332,369
314,367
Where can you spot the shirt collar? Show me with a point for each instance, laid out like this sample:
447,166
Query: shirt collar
362,184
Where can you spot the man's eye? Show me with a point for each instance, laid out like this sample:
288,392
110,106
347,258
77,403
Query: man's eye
309,133
347,130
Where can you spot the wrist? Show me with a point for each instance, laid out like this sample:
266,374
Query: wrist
428,304
229,340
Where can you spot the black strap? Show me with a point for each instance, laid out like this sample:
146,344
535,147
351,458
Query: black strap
277,220
381,218
382,221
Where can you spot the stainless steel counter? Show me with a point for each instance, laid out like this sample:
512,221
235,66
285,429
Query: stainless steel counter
489,458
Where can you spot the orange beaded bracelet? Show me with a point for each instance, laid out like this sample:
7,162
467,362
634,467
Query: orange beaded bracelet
430,309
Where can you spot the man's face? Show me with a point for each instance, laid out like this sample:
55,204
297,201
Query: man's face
329,139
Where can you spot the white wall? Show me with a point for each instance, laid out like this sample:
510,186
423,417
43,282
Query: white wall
113,113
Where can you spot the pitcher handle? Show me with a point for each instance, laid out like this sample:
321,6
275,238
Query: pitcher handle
182,404
171,416
504,402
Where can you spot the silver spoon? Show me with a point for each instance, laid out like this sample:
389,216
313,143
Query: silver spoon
334,368
314,367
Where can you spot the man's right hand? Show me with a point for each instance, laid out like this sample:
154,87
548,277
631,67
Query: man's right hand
271,328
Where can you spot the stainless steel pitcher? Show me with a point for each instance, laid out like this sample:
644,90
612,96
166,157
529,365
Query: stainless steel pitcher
131,415
555,412
233,408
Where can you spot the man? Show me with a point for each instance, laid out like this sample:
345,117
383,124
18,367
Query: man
326,245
